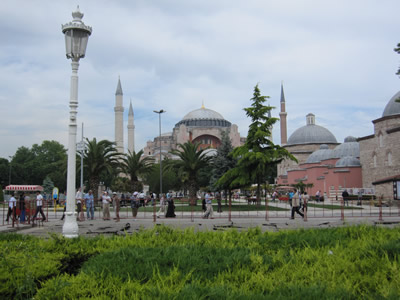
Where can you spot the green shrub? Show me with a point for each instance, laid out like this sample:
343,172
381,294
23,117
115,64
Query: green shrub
163,263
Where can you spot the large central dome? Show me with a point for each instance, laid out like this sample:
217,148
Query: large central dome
203,113
311,134
203,117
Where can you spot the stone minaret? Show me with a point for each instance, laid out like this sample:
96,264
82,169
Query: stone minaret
271,127
131,130
119,118
282,116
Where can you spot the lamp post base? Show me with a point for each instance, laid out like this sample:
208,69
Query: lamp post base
70,227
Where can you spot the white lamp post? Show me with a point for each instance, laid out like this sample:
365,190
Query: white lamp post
76,39
159,122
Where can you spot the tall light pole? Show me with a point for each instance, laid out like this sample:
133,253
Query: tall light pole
159,122
9,177
76,39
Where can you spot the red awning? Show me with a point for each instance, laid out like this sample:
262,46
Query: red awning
24,188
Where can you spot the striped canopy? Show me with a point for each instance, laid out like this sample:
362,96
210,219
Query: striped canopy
24,188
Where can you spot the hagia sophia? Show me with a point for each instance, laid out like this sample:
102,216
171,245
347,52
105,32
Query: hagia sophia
370,164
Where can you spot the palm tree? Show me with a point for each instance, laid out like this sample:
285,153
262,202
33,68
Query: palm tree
100,157
192,161
136,166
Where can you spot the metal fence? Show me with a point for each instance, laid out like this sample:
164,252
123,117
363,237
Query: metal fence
229,210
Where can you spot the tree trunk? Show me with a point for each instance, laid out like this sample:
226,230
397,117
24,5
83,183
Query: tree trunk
94,186
192,194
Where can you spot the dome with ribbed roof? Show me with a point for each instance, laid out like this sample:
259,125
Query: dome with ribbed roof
323,153
203,113
311,134
204,117
392,107
348,161
350,147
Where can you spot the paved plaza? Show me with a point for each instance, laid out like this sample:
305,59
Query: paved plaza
265,220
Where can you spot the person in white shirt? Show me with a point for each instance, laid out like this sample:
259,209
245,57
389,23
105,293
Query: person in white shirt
12,206
162,206
78,198
39,204
106,205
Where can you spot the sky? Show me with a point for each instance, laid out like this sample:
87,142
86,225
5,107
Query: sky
334,58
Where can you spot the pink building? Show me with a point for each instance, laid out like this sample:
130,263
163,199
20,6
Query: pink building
329,170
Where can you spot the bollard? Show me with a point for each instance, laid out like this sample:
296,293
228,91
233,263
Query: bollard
342,211
380,209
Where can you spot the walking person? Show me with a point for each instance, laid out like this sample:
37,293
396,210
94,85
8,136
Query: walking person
63,202
318,196
116,206
296,204
134,204
106,205
345,196
12,207
22,208
171,208
89,202
78,198
162,206
39,205
291,198
274,194
209,211
359,200
306,198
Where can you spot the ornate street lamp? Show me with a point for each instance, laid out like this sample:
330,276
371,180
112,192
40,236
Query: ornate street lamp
159,122
76,39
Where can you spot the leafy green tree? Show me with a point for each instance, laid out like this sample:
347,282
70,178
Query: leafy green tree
22,167
188,167
32,166
169,179
1,194
4,171
135,165
121,184
221,163
100,158
259,154
48,185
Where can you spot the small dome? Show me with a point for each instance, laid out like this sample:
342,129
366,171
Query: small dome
393,107
203,113
350,147
323,153
348,161
311,134
350,139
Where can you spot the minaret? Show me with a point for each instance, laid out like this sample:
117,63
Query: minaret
131,129
271,127
282,116
119,118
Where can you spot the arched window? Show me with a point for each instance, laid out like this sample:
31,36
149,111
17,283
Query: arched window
389,158
380,137
375,161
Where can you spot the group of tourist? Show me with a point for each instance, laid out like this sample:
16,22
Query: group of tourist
298,200
137,200
19,215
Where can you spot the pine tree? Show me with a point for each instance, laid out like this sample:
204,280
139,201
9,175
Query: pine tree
221,163
259,154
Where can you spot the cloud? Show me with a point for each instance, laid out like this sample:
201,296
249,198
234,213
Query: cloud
336,60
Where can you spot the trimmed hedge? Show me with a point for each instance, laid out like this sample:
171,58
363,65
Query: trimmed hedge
165,263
